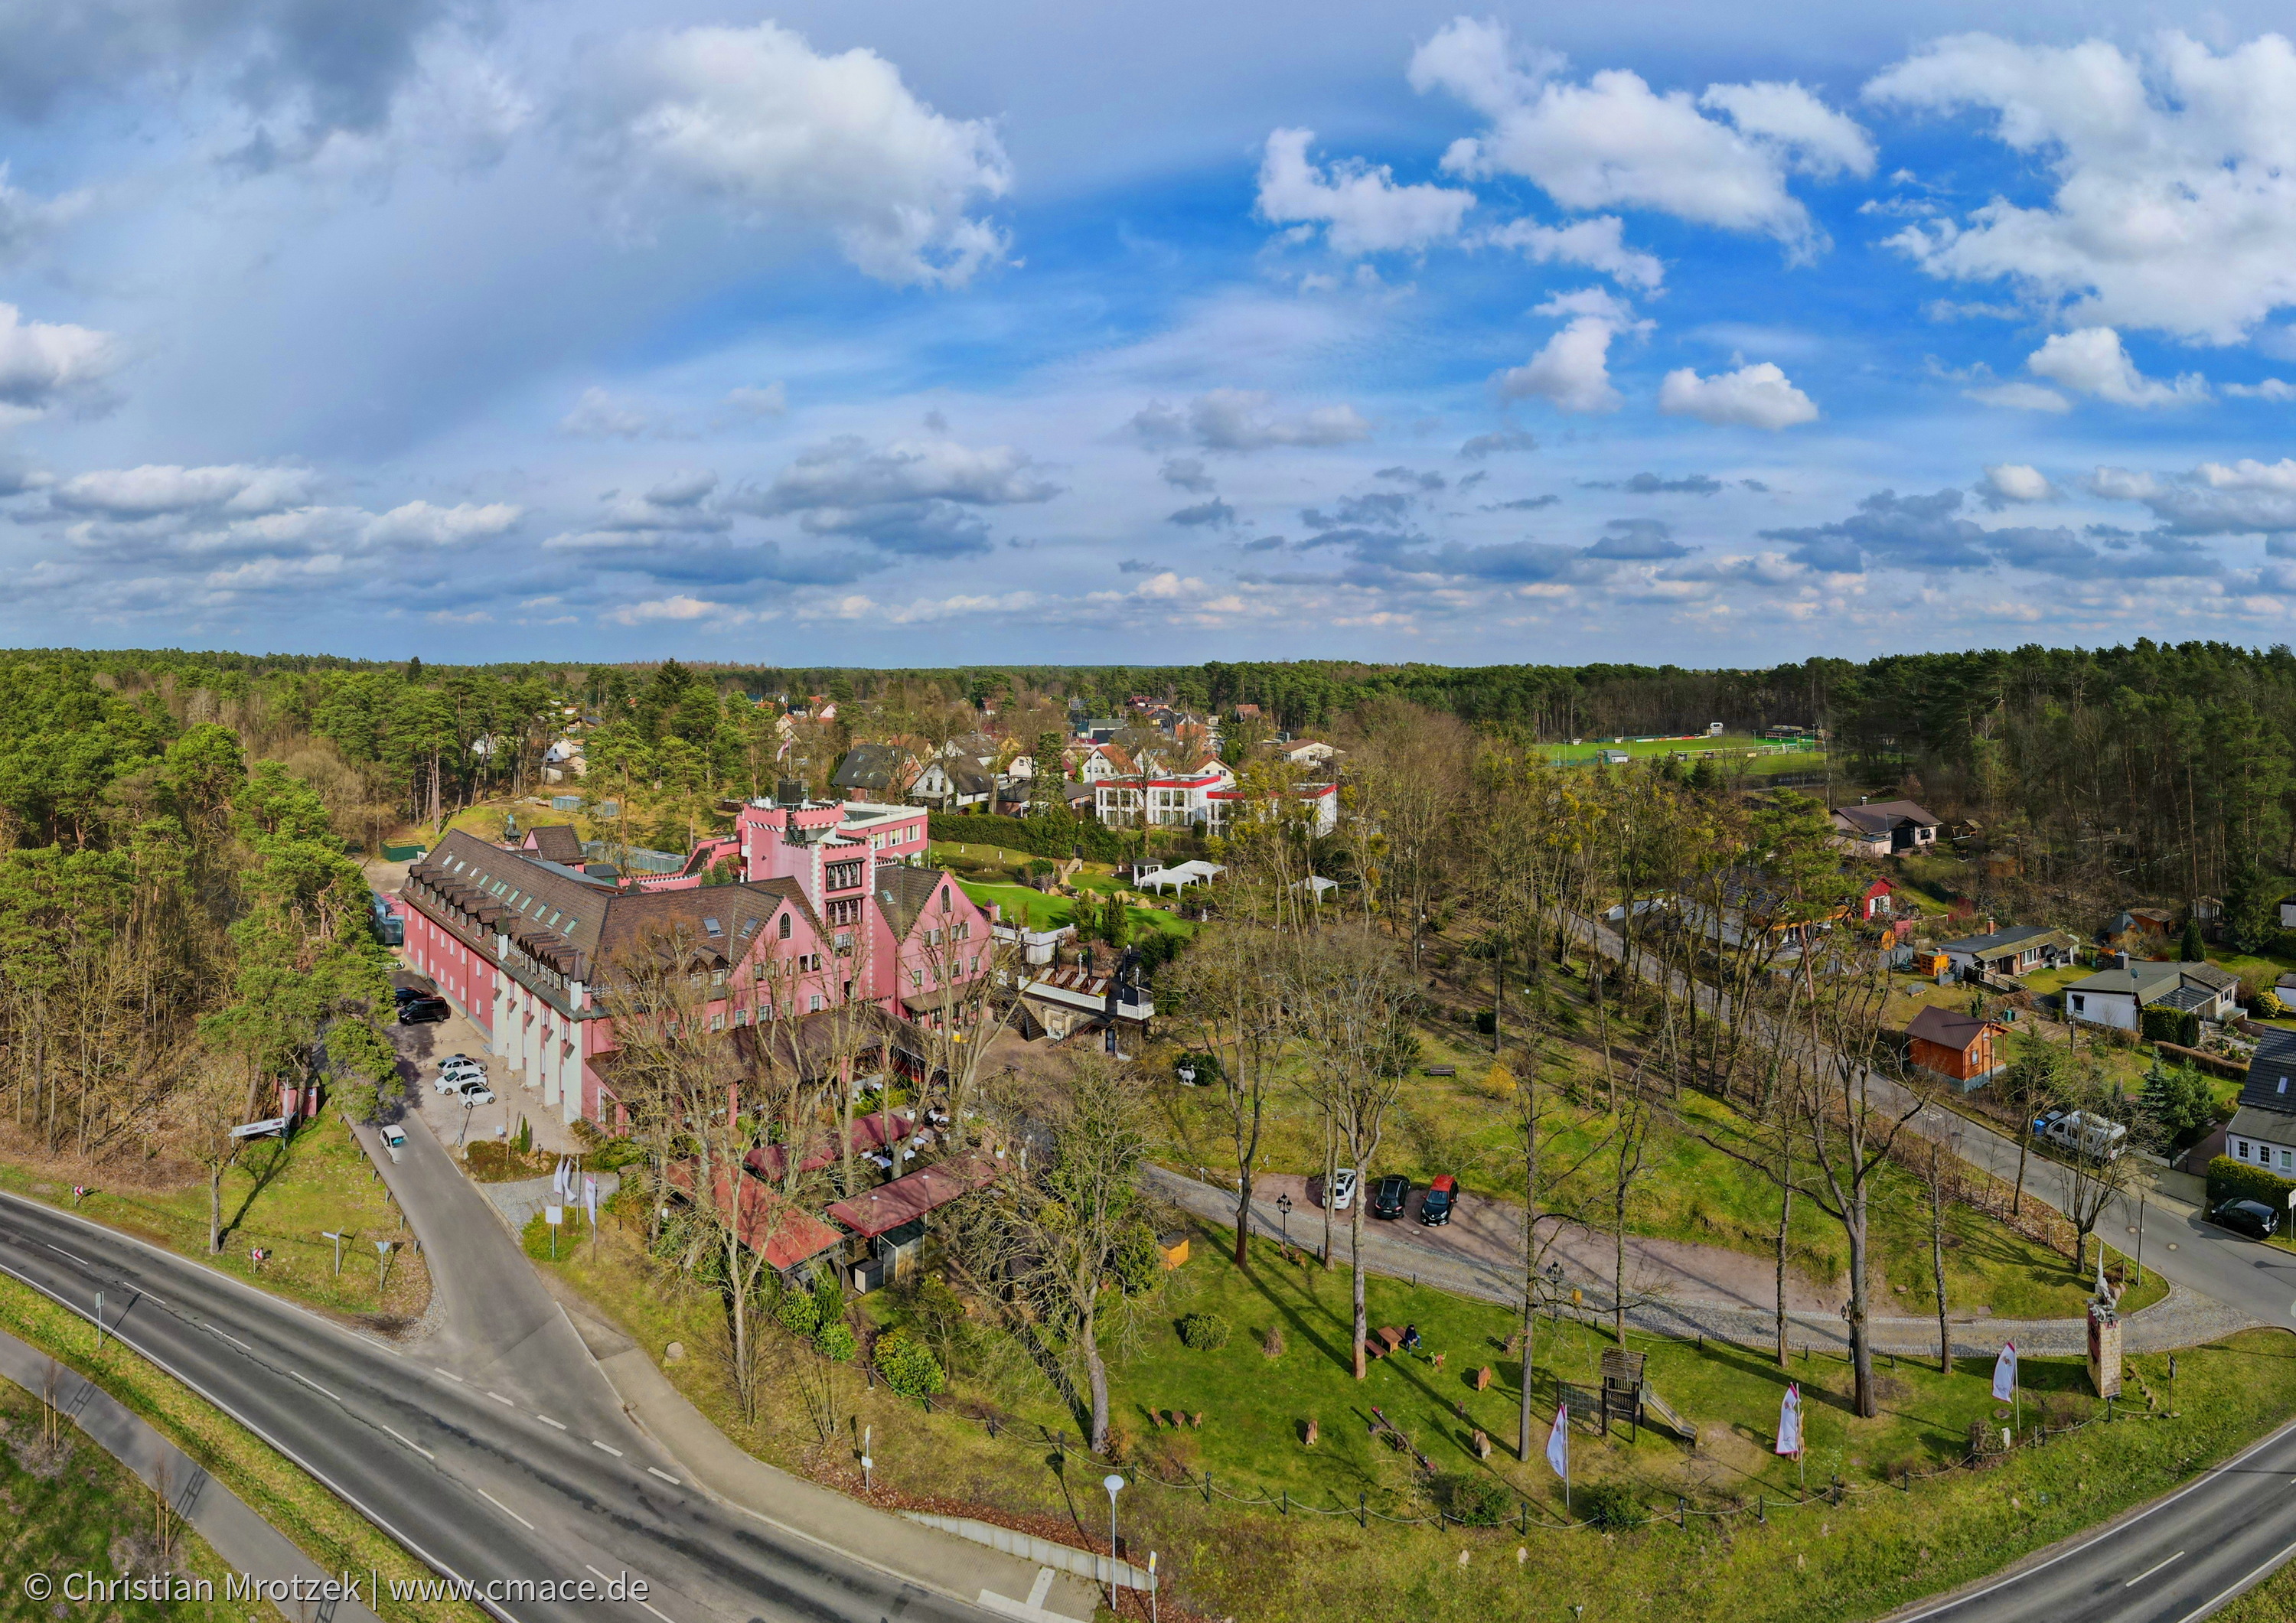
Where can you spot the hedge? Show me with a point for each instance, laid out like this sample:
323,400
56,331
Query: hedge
2178,1026
2236,1180
1058,836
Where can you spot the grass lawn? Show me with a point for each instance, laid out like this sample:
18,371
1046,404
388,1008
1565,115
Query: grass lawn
321,1526
1044,912
279,1196
80,1510
1231,1549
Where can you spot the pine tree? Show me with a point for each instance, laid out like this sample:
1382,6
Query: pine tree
2190,948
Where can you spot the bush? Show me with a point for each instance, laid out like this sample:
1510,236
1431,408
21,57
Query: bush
1203,1332
2234,1180
1058,835
1139,1261
797,1312
2267,1004
907,1366
1478,1501
1610,1506
2181,1026
1271,1345
835,1342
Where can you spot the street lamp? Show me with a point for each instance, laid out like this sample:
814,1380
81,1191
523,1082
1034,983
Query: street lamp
1284,1212
1115,1485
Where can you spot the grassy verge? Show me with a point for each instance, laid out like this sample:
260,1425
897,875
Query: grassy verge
1235,1545
280,1196
325,1528
84,1511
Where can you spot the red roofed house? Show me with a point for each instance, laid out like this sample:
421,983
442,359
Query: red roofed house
1965,1047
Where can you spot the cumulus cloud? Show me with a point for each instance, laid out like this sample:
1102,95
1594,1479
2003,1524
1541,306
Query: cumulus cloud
1637,541
45,365
2243,498
1573,369
599,415
913,497
165,489
2175,170
1359,207
1236,420
2009,482
677,610
755,122
422,524
1758,396
2092,361
1187,473
2270,388
1498,441
1598,244
1613,142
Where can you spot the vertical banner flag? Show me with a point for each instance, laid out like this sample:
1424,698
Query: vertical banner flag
1790,1420
2004,1373
1558,1442
590,1196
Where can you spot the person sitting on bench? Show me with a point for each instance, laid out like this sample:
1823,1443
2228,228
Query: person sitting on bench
1411,1337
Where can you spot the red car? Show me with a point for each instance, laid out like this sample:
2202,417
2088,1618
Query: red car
1442,1195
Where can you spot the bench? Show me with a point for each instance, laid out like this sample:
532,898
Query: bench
1441,1070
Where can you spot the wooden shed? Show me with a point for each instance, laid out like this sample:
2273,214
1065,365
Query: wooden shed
1965,1047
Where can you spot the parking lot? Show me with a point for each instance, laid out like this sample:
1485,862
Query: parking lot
422,1048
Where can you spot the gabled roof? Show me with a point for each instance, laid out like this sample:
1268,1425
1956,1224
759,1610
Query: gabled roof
878,766
2003,941
905,1199
1880,816
902,893
2271,1081
1947,1028
556,842
2152,982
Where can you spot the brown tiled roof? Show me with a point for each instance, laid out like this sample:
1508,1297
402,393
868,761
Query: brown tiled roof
556,842
1947,1029
881,1210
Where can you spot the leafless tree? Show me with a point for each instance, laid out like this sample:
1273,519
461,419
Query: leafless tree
1409,776
1225,997
1542,1183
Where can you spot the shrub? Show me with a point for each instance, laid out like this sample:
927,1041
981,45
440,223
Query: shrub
1139,1260
907,1366
2181,1026
1478,1501
2234,1180
2268,1005
1611,1506
1056,835
797,1312
1203,1332
836,1342
1271,1345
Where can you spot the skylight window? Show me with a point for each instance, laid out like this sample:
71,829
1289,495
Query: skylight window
713,927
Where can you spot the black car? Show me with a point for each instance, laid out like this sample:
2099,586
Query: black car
1441,1196
423,1012
1389,1194
2253,1218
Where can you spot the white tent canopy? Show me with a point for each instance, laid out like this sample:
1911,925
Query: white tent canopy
1180,876
1317,886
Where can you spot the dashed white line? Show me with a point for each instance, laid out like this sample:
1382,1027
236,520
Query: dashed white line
233,1340
657,1611
609,1447
498,1398
2149,1571
60,1251
314,1385
546,1420
665,1476
450,1375
410,1442
586,1566
505,1509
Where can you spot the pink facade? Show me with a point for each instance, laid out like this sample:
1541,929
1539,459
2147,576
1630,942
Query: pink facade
830,906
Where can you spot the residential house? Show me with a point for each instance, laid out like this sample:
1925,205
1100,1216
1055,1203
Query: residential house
1320,802
1154,800
2262,1131
1306,752
1078,1003
1745,904
2117,996
557,842
1885,828
2018,950
876,772
953,785
1965,1048
2141,932
1878,901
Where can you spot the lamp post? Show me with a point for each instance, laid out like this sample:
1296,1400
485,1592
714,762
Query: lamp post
1284,1212
1115,1485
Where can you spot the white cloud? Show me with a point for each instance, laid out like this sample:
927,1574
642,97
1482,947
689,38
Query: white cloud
598,415
45,364
1596,244
2092,361
2121,485
2243,498
1755,396
771,401
2175,204
1571,369
420,524
2271,389
1612,141
155,489
1361,209
2020,396
849,472
1236,420
677,609
2009,482
753,119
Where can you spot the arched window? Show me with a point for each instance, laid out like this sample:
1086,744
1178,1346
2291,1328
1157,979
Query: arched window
944,899
785,927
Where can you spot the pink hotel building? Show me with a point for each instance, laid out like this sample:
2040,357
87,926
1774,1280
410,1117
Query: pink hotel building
833,904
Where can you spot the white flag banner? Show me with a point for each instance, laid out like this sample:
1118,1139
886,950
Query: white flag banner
1790,1420
1558,1442
2004,1373
566,1179
590,1196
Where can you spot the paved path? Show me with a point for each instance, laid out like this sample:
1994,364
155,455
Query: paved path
247,1544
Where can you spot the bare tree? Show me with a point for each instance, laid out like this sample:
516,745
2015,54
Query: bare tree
1353,1000
1225,998
1409,779
1541,1184
973,981
206,1109
2098,1170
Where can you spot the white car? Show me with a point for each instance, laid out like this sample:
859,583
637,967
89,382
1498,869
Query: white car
456,1071
476,1092
1343,1189
394,1140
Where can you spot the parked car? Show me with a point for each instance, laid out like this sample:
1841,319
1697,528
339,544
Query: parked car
423,1012
405,993
452,1076
476,1092
1389,1194
1343,1189
2077,1133
1435,1206
2253,1218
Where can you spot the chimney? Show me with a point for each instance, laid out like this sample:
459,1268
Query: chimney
2120,961
1989,928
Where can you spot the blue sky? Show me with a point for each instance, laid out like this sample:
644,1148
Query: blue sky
910,334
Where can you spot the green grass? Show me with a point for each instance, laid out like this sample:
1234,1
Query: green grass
1044,912
281,1197
72,1516
1813,1563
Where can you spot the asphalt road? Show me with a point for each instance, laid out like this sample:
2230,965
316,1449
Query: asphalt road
485,1475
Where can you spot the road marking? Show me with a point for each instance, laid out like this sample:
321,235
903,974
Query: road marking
410,1442
657,1611
665,1476
498,1398
586,1566
609,1447
2149,1571
546,1420
314,1385
505,1509
2213,1601
60,1251
233,1340
450,1375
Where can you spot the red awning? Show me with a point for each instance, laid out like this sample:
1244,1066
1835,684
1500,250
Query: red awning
905,1199
785,1234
